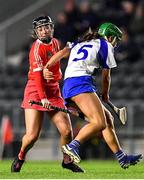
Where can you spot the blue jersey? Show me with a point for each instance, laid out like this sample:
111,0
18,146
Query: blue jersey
86,56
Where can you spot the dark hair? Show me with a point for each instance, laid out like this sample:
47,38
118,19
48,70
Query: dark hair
87,36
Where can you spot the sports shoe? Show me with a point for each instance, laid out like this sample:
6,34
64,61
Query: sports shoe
129,160
16,165
72,153
73,167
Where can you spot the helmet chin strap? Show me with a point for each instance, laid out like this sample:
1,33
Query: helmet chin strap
46,40
105,38
114,40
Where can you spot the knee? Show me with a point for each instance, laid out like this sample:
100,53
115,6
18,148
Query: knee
101,121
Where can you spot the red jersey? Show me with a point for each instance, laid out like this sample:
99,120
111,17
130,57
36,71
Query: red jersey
40,54
37,87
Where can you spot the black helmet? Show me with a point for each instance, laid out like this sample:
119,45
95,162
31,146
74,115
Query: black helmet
42,20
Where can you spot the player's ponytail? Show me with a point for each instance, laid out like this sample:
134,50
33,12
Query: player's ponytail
89,35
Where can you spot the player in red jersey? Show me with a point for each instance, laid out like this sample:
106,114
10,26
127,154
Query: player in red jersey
48,92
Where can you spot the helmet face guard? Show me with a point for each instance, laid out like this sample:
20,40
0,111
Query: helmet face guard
43,21
108,29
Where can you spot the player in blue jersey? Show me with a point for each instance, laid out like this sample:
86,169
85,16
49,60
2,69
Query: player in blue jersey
93,50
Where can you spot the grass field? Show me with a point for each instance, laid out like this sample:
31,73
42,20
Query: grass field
53,170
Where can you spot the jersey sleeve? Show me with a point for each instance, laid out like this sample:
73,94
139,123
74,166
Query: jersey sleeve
56,45
37,57
36,67
105,55
38,77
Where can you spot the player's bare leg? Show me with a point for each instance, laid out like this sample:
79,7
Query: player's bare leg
111,139
63,124
91,106
109,134
33,121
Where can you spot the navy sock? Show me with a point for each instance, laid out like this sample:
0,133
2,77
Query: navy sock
120,155
75,145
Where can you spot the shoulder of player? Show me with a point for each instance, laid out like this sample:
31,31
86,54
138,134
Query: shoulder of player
55,43
36,44
55,39
106,44
36,47
92,41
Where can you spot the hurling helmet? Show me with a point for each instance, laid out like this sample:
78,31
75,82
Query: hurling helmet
41,21
108,29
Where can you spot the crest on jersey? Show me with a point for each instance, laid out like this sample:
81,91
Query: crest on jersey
49,54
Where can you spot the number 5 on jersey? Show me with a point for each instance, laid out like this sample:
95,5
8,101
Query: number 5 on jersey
83,51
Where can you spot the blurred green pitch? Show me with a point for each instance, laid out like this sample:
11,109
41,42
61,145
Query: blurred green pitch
52,170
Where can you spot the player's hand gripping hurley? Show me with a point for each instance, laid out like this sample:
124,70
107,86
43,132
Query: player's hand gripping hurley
120,112
75,113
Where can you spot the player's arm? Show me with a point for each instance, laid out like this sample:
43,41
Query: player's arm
106,62
64,53
106,81
40,88
37,67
